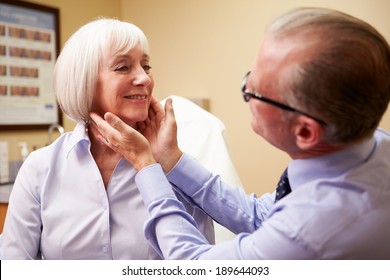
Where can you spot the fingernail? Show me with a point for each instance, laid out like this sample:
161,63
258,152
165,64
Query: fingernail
108,117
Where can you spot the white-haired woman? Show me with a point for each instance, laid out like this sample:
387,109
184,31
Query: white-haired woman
77,198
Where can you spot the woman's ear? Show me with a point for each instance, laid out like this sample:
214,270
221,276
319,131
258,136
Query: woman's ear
308,133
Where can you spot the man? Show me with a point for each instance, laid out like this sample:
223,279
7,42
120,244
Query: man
317,90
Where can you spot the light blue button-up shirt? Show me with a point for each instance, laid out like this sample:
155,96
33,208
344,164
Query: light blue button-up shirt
339,208
60,209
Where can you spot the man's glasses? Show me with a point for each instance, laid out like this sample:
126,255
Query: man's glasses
248,95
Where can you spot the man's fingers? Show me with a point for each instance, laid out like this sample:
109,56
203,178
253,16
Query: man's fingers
108,129
115,122
100,124
120,130
169,112
156,106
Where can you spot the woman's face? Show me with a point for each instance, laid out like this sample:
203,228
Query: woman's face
125,86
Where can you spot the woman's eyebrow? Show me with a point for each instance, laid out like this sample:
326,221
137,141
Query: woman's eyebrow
129,57
146,57
121,57
124,58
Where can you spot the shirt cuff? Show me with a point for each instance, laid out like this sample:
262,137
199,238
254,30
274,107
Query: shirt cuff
188,175
152,183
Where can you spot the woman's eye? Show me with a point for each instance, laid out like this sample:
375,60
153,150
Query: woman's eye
125,68
147,68
122,68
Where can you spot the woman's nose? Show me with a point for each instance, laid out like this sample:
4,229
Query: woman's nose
142,78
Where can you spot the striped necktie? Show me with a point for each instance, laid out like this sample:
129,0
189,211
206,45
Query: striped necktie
283,187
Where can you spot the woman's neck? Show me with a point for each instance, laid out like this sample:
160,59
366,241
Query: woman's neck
106,159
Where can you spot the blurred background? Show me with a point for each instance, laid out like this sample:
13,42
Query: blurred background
201,49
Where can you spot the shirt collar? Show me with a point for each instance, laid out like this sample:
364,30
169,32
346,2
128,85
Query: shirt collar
301,171
79,134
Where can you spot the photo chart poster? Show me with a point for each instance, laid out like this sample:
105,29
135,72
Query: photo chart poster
27,58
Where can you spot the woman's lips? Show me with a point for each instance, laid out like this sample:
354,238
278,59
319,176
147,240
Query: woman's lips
137,97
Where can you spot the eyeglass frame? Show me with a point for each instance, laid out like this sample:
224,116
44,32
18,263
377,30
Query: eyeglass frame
246,95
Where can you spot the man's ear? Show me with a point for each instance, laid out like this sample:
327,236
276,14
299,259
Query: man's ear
308,133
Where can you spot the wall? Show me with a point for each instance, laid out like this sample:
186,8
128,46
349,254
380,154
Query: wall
73,14
204,47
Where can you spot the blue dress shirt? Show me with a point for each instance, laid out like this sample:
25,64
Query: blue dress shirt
59,208
339,208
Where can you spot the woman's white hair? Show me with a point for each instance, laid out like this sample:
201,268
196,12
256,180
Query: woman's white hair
77,67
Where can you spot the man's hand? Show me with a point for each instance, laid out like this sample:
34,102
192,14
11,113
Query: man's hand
161,131
124,139
156,139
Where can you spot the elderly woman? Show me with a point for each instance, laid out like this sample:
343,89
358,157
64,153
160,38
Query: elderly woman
77,198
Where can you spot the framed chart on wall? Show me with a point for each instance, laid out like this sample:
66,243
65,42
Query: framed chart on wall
29,45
